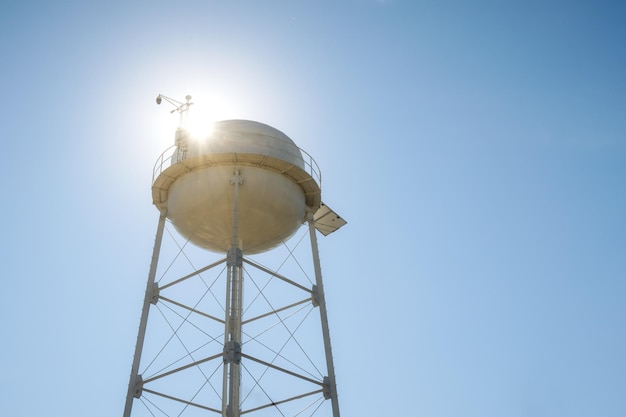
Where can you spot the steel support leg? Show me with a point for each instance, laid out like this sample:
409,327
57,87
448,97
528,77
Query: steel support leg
332,386
134,385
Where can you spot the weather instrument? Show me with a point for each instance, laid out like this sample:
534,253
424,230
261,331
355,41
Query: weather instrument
179,106
238,320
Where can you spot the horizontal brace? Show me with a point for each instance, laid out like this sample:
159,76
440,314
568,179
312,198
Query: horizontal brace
278,368
193,310
169,397
173,371
306,300
297,397
199,271
277,275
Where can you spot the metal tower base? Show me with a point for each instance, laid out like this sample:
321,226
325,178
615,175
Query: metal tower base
255,351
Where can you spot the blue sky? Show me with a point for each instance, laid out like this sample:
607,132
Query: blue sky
478,151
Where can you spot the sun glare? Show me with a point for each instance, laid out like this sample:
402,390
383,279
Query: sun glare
199,127
204,110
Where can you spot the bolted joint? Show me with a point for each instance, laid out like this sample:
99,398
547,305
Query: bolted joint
232,352
326,388
138,386
315,296
234,257
155,293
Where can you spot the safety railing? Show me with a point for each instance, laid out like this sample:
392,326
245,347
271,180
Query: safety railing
311,167
164,161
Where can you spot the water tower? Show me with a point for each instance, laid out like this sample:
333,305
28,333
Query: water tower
241,192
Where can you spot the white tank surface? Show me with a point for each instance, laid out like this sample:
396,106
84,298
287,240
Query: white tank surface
194,181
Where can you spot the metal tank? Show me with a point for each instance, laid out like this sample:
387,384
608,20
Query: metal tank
193,182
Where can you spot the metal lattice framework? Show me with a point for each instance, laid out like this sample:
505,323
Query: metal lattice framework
201,347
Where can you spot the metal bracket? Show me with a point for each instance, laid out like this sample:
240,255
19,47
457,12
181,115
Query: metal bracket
138,387
236,178
232,352
315,296
326,388
155,293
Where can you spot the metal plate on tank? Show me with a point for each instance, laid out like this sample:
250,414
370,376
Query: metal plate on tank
327,221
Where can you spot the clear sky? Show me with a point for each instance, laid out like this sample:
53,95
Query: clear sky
477,149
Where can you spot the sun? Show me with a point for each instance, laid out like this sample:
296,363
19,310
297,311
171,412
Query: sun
199,113
200,126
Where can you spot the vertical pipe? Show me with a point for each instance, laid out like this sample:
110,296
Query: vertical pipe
227,330
324,317
134,373
235,373
234,300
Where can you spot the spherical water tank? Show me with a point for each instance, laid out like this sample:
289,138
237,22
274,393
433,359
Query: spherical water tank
195,183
